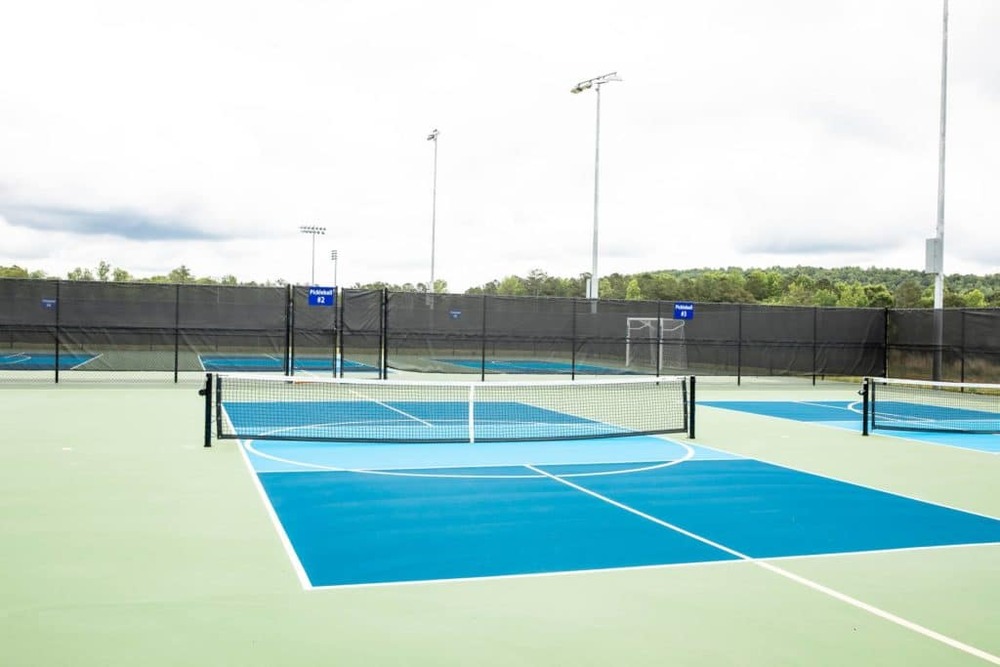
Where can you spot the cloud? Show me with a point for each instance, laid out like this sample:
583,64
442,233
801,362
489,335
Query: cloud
122,224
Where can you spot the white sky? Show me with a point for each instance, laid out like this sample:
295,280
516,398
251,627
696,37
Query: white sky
773,132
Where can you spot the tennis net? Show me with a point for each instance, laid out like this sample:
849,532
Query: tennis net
262,407
916,405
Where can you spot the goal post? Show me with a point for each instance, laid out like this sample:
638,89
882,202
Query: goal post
655,343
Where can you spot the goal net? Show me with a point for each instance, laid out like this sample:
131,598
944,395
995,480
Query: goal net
655,344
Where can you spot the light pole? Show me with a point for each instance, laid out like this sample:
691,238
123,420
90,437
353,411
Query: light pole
314,232
333,256
937,243
433,136
596,84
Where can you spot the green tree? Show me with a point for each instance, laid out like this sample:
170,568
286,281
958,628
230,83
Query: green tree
633,292
879,296
181,274
103,271
907,294
512,286
121,276
851,295
974,298
79,273
13,272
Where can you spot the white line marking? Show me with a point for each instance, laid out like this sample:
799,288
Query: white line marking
387,406
248,445
826,590
86,361
286,542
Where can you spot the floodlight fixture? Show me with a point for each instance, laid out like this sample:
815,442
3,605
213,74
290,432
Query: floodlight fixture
313,231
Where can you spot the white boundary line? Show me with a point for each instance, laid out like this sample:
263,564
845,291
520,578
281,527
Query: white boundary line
896,435
830,592
286,543
86,361
410,472
853,483
826,590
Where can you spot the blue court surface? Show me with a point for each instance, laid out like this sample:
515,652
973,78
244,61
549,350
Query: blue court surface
847,415
35,361
377,513
534,366
263,363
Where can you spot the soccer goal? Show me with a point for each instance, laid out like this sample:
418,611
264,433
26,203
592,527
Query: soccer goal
655,343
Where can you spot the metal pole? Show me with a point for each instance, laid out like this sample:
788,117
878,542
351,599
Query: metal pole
433,136
333,256
593,290
939,276
595,279
312,272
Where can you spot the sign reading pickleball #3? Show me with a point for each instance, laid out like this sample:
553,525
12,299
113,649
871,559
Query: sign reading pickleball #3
322,296
683,310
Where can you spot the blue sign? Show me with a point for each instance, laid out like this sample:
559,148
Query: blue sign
455,314
322,296
683,310
48,304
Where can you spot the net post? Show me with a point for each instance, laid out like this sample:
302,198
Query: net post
206,391
691,402
865,388
472,414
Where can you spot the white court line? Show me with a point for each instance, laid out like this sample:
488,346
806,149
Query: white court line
826,590
312,467
389,407
86,361
286,542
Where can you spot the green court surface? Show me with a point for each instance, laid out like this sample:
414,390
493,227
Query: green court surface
127,543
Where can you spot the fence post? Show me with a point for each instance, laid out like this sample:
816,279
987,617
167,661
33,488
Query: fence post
58,308
177,330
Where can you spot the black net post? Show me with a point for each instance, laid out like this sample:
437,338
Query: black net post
206,391
691,402
865,389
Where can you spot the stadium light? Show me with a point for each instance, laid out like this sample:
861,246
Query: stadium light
314,232
433,136
333,257
596,84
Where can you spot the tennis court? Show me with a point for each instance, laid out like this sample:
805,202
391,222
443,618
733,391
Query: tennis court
534,366
41,361
969,426
263,363
764,540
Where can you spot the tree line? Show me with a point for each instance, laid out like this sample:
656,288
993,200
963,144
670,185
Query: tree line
795,286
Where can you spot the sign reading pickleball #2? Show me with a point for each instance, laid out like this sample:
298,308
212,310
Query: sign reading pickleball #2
683,310
322,296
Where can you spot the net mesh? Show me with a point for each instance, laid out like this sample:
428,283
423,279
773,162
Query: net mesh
336,409
655,344
914,405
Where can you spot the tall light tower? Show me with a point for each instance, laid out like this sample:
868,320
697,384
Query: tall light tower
314,232
596,84
935,245
333,257
433,136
